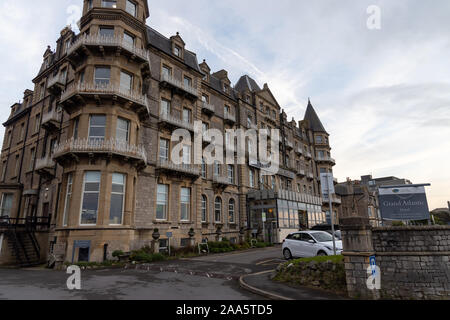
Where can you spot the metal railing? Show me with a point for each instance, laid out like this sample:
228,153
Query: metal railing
334,199
100,146
98,40
29,222
179,84
184,168
104,89
325,159
168,118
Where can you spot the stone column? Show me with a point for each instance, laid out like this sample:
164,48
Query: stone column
155,241
358,248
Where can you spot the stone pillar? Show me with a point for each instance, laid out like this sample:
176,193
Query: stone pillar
191,238
241,236
358,248
155,241
219,234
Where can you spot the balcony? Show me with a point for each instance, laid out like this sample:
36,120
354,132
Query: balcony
74,148
229,118
76,91
45,166
334,198
221,181
285,195
207,108
286,173
310,175
180,86
56,84
51,120
289,145
326,159
171,121
299,151
86,43
307,155
301,173
169,167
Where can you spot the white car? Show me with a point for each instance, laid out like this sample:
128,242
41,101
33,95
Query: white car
306,244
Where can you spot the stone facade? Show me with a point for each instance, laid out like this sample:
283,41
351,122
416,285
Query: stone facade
104,107
414,261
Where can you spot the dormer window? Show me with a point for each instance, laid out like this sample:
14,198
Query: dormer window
131,8
109,3
225,88
177,51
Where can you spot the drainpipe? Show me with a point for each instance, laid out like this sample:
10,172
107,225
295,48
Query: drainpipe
19,207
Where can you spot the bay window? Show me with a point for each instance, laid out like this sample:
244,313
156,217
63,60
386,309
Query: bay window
90,198
117,199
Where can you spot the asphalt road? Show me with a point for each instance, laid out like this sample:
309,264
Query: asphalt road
206,278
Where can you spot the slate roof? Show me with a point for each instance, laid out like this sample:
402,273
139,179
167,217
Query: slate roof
164,44
246,83
314,122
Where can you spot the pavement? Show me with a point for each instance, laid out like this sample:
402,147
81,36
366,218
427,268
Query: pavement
232,276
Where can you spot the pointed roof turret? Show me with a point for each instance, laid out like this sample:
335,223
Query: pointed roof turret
313,119
246,83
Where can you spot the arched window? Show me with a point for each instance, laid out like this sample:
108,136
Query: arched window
231,207
218,210
204,208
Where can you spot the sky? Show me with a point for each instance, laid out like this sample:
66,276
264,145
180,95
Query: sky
382,94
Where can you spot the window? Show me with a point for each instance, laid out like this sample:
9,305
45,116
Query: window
216,168
218,210
68,198
109,3
187,115
37,124
126,81
97,128
204,208
22,130
102,76
91,191
165,107
82,76
166,71
4,171
231,207
319,139
251,177
321,154
163,150
32,158
205,98
122,130
128,39
131,8
117,199
16,170
185,202
273,183
90,4
249,121
187,82
186,154
177,51
161,202
75,128
63,75
106,32
231,174
7,199
204,174
42,91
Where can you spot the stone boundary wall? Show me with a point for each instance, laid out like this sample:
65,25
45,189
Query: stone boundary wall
414,261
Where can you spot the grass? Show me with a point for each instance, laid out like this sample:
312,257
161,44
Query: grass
320,259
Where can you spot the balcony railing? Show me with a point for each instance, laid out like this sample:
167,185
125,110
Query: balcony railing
308,155
289,144
189,169
229,117
169,119
334,198
112,146
51,118
300,197
179,84
208,108
310,175
286,173
325,159
45,163
221,180
104,89
299,150
98,40
57,84
301,172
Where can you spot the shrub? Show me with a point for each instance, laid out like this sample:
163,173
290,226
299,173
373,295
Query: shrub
117,253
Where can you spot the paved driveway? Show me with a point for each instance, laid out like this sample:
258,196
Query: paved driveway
206,278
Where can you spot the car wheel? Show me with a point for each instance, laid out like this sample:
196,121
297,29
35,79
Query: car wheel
287,254
321,254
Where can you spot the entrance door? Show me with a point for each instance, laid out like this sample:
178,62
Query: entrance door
83,255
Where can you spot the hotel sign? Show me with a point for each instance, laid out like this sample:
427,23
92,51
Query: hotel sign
403,203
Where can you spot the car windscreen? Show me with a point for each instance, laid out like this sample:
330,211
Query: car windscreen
322,236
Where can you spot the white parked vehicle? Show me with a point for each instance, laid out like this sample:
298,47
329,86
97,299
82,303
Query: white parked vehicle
305,244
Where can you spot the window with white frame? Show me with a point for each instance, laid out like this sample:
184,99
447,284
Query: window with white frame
231,174
231,207
185,201
90,201
162,196
122,130
251,177
204,208
187,115
7,200
68,198
163,150
106,32
97,128
117,199
128,39
216,168
126,81
102,76
166,71
218,210
109,3
186,154
187,82
204,173
165,107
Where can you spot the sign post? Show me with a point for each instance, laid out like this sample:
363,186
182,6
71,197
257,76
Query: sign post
264,219
327,184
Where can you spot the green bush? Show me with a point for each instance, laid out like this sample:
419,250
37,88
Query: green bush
117,253
144,255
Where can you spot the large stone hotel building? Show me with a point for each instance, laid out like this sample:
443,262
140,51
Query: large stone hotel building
86,160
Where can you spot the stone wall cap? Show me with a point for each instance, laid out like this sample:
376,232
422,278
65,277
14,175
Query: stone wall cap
411,228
